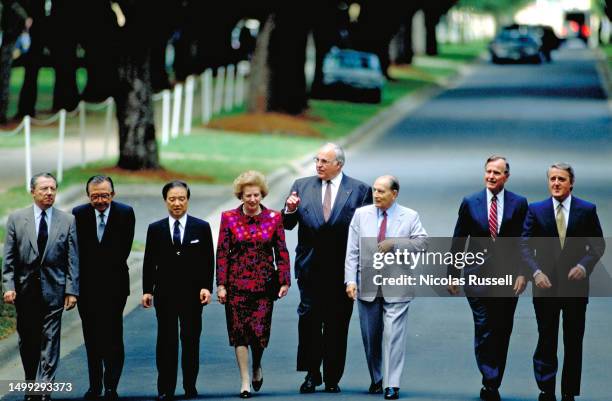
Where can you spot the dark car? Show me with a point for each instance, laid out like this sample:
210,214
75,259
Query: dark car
352,75
516,45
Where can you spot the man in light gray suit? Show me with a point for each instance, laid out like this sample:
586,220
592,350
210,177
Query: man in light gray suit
40,276
383,312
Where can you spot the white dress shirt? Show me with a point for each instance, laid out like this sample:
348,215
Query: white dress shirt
182,221
37,216
500,206
565,209
335,186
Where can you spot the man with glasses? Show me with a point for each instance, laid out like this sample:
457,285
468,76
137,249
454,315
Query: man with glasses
105,230
40,276
323,206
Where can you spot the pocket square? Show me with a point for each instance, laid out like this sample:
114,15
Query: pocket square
195,241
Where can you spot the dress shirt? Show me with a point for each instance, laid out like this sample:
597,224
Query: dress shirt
335,186
105,213
566,208
182,221
500,206
390,217
37,215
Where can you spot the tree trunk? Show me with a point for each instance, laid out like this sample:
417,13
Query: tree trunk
137,145
431,42
259,80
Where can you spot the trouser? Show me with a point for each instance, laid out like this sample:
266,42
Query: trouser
548,311
383,330
493,322
103,335
38,326
171,316
323,331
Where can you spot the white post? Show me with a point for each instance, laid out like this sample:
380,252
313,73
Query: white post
188,112
218,100
165,116
60,151
229,87
239,98
176,110
82,131
28,151
206,96
108,124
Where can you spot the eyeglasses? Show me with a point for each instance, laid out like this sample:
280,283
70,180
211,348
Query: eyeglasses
324,162
95,197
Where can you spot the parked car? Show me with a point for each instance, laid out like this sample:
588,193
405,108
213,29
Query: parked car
352,75
516,45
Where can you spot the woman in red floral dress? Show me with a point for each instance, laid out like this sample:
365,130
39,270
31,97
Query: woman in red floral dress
251,239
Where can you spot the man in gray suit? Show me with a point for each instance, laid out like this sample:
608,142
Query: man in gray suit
40,276
383,311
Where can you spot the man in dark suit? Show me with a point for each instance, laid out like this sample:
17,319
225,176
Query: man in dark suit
323,206
492,220
178,271
105,229
41,277
562,241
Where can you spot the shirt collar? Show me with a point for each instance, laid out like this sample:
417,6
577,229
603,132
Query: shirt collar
390,211
182,221
38,211
500,196
105,213
336,180
566,203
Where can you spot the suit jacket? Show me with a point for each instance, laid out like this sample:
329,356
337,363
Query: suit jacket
104,264
405,227
57,268
501,256
541,249
321,247
168,275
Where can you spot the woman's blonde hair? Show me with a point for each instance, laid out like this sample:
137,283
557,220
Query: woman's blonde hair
250,177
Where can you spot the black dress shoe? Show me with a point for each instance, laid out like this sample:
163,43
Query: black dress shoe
191,393
547,397
91,395
311,381
111,395
245,394
257,384
165,397
391,393
567,397
489,394
376,388
332,388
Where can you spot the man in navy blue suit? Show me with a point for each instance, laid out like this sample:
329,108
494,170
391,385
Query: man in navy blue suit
562,241
492,220
323,206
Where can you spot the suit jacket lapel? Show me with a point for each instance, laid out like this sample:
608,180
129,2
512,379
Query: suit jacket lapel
30,223
315,200
341,197
573,216
508,209
55,222
187,236
110,222
482,210
549,218
165,227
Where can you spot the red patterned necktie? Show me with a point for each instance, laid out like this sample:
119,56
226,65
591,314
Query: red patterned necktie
382,231
493,217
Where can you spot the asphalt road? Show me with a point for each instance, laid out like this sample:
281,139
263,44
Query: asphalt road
535,115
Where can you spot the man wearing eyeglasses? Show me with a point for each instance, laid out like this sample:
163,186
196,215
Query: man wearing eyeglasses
323,206
105,229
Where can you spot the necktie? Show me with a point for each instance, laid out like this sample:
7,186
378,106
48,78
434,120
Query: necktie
176,235
561,228
43,233
382,231
101,227
493,217
327,201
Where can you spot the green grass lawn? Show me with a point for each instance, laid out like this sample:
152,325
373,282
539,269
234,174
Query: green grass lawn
7,317
607,50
